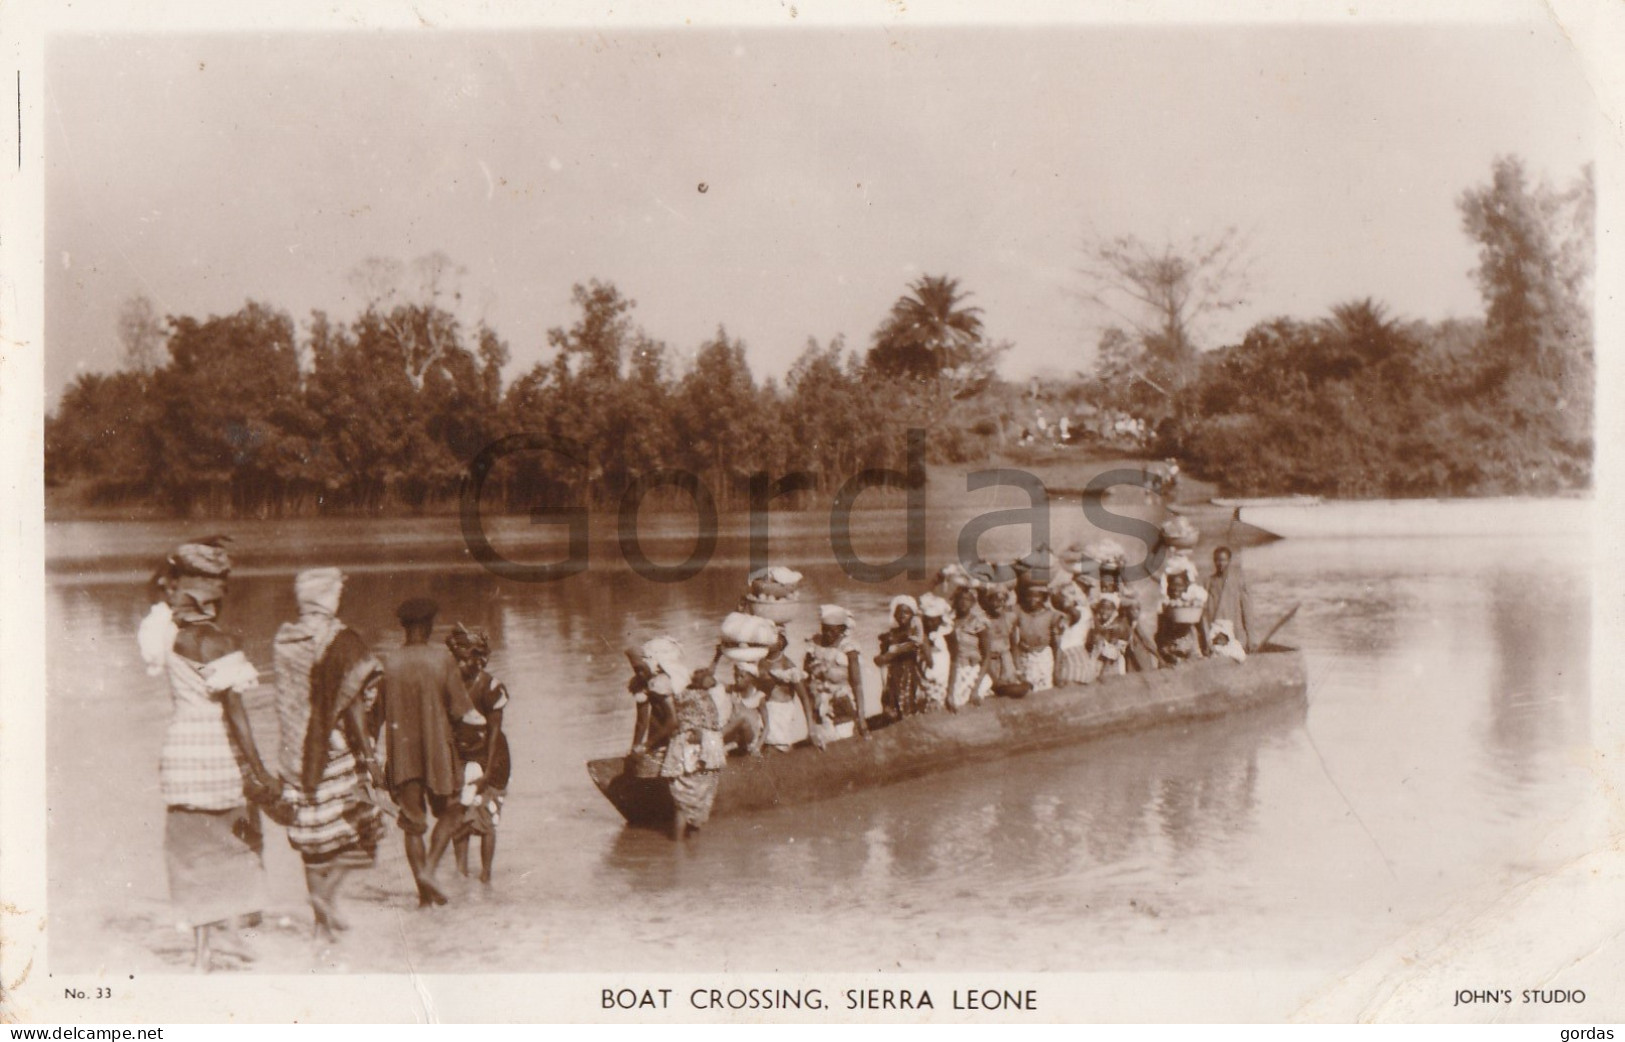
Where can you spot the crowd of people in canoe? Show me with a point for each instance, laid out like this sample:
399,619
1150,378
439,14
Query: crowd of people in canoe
416,732
991,630
412,732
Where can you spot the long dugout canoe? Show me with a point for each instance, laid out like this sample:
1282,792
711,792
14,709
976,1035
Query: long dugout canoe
1000,727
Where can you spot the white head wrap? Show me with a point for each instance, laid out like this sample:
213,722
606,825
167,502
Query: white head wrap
934,607
834,615
904,600
665,655
318,591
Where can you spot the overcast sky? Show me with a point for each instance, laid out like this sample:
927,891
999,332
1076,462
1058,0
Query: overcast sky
203,171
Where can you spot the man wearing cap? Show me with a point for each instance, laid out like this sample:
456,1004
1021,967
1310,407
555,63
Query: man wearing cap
423,695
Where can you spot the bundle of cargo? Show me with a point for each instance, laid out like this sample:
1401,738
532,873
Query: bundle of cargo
1180,532
1184,606
1108,552
748,638
774,593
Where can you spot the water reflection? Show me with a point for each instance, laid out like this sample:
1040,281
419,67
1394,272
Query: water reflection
1450,694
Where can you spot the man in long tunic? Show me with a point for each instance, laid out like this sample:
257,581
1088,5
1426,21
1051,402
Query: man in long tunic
1227,597
423,695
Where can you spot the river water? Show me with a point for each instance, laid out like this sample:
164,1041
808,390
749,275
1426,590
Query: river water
1441,750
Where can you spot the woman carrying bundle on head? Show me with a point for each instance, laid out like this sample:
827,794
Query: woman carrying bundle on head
212,838
1036,636
1180,634
326,683
690,742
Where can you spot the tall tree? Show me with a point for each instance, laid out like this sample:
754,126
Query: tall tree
930,331
1535,263
142,334
1155,300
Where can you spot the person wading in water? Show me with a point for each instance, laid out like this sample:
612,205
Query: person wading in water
423,695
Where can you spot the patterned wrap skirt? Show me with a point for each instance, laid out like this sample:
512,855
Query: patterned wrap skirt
1074,667
213,859
966,685
1037,667
694,794
338,825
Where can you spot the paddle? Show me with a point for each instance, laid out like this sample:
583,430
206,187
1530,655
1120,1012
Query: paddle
1277,627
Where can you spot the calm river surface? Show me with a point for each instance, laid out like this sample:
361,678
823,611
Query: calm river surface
1442,744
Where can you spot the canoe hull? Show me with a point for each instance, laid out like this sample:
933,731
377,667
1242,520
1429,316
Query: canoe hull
935,742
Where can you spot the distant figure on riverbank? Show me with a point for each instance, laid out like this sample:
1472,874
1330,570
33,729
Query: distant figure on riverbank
1227,597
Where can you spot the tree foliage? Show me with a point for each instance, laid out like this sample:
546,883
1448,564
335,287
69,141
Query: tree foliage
1156,300
1360,404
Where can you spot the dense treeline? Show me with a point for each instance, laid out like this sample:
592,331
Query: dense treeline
1359,404
246,415
242,415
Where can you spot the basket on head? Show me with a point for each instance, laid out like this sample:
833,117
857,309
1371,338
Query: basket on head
774,611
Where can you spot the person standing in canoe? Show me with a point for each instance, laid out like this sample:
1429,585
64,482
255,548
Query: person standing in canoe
326,682
692,751
1072,658
936,662
1227,598
835,679
900,651
213,842
423,694
1109,638
787,699
483,749
998,654
968,651
1036,636
1180,635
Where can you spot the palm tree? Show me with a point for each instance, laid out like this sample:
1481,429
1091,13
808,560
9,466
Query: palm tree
928,332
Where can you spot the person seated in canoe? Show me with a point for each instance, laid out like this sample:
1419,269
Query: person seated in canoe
935,664
1180,634
1036,635
1072,658
835,679
968,652
483,749
899,658
1224,642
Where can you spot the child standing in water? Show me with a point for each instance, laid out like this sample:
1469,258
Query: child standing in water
482,748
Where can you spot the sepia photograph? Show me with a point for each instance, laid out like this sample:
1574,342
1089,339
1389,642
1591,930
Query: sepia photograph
881,512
